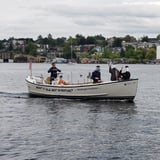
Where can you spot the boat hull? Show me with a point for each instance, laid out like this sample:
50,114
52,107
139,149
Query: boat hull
121,90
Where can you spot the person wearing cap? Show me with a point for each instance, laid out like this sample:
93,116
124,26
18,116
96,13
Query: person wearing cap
53,70
96,75
114,72
126,74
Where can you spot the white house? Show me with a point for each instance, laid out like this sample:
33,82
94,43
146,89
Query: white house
158,52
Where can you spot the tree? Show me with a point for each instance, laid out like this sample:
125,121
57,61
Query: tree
117,42
50,40
40,39
85,55
145,39
97,56
10,48
100,37
115,55
151,54
107,53
158,36
45,41
90,40
31,49
67,52
130,52
80,40
140,54
60,41
1,45
50,36
129,38
100,40
92,50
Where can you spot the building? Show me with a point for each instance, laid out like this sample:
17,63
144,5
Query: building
6,57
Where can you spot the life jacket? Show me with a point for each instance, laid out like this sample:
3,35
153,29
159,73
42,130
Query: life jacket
61,82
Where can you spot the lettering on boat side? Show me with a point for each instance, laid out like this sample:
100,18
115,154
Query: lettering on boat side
82,89
54,90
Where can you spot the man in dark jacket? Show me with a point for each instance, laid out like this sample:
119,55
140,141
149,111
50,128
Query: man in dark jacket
96,75
53,70
114,72
125,75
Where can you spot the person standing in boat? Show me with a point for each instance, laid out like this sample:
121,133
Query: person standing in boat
96,75
53,70
114,73
126,74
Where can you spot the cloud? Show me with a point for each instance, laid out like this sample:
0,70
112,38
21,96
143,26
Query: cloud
30,18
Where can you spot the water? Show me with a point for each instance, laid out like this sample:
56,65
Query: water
48,129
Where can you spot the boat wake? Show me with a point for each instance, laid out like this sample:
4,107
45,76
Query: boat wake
14,95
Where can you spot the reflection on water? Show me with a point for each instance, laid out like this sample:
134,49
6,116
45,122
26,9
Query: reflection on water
89,129
93,106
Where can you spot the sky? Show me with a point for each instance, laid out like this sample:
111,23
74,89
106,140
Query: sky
64,18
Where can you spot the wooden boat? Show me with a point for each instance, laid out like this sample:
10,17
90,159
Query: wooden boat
115,90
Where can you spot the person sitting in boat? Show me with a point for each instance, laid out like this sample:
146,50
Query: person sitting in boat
114,72
96,75
126,74
61,81
53,70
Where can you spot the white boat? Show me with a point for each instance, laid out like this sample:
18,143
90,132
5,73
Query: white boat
120,90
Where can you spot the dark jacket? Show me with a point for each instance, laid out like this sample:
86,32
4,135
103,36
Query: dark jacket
96,76
125,76
114,74
53,71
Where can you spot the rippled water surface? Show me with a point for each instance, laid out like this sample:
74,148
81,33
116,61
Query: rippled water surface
48,129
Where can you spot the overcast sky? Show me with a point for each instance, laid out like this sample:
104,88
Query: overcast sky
64,18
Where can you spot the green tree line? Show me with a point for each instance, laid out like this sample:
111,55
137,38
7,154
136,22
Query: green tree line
135,54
